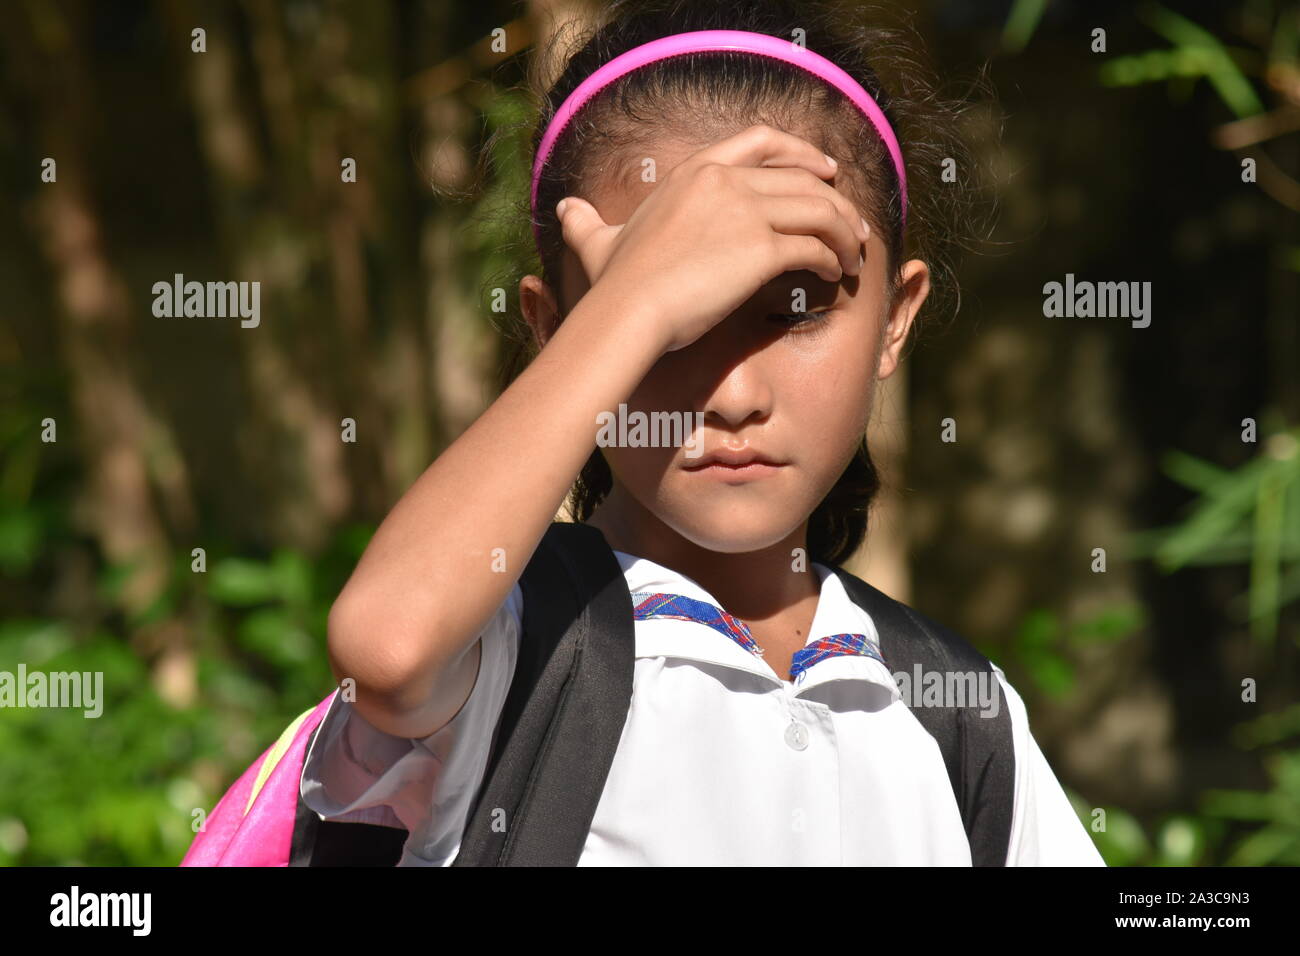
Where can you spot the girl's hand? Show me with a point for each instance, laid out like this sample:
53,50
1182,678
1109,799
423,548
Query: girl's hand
723,223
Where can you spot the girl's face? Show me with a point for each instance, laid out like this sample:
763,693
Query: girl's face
796,393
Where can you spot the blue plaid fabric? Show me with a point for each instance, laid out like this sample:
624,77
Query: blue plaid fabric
647,605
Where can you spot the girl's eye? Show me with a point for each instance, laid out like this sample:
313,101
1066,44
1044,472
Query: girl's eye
798,318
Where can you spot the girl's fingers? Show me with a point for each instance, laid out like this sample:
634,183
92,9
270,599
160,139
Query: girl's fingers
800,252
819,217
785,181
582,228
763,152
764,145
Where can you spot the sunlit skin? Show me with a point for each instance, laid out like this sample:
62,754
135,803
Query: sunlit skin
800,393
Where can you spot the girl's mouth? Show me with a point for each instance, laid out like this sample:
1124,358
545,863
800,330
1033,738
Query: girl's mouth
745,472
731,464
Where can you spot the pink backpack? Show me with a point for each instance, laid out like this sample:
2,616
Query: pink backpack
252,825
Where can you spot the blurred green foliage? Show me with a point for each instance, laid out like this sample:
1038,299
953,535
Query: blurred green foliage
123,788
1233,827
1177,840
1045,646
1249,515
1196,53
1245,516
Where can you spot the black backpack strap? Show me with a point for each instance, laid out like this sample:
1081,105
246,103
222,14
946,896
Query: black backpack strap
978,751
564,714
559,727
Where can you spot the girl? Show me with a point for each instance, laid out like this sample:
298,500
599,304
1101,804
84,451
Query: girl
723,222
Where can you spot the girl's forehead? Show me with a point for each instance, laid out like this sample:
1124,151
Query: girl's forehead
624,183
619,185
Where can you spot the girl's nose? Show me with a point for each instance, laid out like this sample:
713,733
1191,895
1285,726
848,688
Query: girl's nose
741,395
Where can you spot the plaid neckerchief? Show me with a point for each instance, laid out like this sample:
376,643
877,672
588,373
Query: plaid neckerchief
652,604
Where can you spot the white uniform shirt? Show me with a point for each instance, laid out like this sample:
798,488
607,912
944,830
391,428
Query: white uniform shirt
709,770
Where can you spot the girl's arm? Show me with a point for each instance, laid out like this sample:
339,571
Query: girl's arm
406,625
747,208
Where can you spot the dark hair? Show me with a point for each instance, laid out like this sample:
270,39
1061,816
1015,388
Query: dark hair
724,93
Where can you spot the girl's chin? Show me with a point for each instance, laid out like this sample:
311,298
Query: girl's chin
753,533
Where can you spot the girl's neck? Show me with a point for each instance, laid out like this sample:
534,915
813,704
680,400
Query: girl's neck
754,586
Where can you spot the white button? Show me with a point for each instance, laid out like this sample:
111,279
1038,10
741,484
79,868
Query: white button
796,735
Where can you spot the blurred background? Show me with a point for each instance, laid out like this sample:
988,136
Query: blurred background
1162,685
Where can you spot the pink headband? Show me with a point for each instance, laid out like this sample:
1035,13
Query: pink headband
706,40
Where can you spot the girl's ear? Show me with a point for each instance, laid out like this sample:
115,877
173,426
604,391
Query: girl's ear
915,276
540,308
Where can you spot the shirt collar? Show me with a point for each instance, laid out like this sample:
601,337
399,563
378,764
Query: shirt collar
836,614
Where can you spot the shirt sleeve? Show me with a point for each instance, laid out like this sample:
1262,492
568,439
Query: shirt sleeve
357,773
1045,830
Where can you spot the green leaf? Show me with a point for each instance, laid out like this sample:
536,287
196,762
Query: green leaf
1237,805
1180,842
1215,515
1122,843
21,532
1268,728
1221,70
1110,624
1264,566
1269,845
113,579
1021,23
1052,673
241,583
1195,473
292,577
273,634
33,641
1038,629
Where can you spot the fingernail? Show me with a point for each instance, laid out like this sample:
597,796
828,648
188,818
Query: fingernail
866,227
860,261
831,159
559,207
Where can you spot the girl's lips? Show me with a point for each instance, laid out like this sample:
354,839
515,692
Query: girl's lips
725,472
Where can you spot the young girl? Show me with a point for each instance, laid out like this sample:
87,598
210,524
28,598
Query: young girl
731,244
